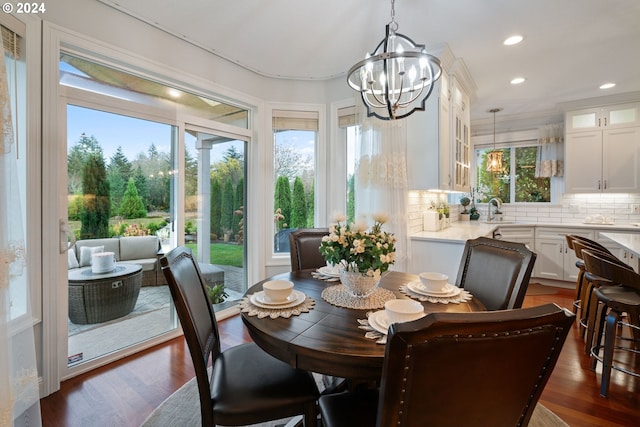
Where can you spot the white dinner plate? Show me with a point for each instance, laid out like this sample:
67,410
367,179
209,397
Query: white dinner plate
418,288
378,321
328,271
259,299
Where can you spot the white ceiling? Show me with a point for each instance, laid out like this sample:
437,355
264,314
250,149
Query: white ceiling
571,47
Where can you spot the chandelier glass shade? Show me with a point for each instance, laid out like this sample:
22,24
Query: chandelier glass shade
494,157
397,78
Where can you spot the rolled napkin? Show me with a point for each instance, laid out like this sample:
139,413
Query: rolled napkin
103,262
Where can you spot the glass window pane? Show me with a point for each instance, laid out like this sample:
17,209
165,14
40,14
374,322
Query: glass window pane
493,184
294,178
528,187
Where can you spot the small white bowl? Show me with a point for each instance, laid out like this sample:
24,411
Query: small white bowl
403,310
277,290
434,282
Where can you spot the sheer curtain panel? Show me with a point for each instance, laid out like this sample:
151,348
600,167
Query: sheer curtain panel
19,395
550,160
381,178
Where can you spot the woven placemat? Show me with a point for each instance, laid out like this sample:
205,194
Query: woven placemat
339,296
251,309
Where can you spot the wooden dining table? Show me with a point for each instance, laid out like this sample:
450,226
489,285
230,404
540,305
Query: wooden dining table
327,339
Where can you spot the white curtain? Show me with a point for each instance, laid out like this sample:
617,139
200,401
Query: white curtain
19,396
381,178
550,160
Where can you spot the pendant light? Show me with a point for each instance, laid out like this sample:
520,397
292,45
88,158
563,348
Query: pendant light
494,157
397,78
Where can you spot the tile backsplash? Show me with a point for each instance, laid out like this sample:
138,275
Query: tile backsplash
573,210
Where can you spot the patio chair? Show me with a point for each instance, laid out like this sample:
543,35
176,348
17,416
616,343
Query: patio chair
246,385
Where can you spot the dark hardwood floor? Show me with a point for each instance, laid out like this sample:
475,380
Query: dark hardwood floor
125,392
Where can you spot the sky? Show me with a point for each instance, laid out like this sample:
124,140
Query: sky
132,134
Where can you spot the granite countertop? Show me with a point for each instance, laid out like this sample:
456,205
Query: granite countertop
461,231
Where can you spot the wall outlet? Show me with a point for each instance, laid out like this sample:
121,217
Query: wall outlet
635,209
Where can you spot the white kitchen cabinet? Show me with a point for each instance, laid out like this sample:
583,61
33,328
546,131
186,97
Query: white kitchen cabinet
428,142
605,117
603,161
517,233
461,119
439,140
554,258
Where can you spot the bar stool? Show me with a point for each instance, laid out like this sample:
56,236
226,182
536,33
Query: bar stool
577,303
622,297
587,283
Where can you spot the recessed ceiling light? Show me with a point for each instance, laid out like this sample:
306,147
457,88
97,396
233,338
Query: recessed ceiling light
513,40
174,93
518,80
607,86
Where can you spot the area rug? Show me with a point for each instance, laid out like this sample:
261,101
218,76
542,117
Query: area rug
539,289
182,409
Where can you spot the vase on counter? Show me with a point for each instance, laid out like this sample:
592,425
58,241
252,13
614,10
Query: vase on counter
357,284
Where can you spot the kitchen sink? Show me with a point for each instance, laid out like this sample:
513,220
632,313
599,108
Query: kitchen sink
498,222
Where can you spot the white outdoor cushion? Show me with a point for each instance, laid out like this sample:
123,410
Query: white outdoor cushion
71,258
86,252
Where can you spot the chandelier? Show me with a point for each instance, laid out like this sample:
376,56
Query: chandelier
397,78
494,157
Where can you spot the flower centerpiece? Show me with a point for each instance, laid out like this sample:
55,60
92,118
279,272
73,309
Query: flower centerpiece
362,254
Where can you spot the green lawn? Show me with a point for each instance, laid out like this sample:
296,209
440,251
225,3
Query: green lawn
222,253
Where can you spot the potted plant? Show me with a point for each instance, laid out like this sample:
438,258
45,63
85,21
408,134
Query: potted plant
217,294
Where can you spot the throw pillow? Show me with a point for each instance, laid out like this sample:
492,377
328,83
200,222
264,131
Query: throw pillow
86,252
71,258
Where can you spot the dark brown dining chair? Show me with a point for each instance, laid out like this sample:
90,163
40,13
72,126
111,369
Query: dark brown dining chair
459,369
497,272
246,385
305,248
608,304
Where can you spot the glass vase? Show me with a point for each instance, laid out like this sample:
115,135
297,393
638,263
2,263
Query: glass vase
358,284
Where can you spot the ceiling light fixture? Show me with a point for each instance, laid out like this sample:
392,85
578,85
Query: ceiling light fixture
517,80
397,78
494,157
607,86
513,40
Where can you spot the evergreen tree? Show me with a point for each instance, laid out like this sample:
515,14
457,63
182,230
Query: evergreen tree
216,206
141,185
238,203
226,214
311,206
298,205
132,205
95,206
282,200
351,198
78,155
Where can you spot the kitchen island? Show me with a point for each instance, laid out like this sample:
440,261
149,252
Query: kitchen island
630,243
441,251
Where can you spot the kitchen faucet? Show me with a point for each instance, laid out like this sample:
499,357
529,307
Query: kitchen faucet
498,201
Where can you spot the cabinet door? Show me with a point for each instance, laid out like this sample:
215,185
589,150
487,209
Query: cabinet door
621,160
570,268
583,159
623,115
550,260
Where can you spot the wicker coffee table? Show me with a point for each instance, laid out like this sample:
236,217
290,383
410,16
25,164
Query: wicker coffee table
97,298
